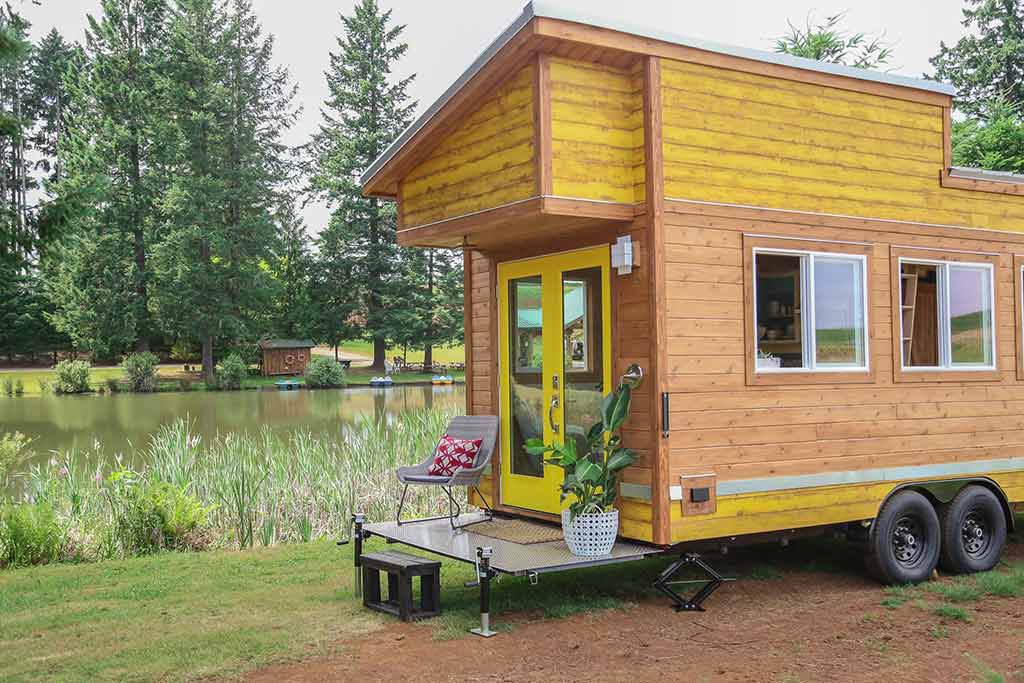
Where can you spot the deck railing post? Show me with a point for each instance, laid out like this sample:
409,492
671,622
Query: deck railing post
484,574
358,519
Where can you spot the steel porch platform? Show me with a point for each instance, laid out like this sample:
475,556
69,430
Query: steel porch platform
517,559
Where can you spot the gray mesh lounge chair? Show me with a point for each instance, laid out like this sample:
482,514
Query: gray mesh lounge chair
484,427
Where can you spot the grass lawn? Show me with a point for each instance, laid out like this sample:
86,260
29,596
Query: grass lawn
30,378
442,354
191,616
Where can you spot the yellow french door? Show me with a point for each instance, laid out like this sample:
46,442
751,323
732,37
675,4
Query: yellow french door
555,364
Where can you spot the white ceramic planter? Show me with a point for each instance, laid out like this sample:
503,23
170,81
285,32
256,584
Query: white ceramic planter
591,534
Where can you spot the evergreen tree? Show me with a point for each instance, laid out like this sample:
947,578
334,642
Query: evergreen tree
54,61
230,106
988,62
994,140
110,176
366,109
431,313
293,312
16,182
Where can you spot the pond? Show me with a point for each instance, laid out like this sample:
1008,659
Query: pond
122,423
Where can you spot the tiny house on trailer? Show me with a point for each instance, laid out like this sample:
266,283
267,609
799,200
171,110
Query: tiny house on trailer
827,312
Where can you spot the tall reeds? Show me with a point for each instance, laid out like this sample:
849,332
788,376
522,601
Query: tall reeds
265,487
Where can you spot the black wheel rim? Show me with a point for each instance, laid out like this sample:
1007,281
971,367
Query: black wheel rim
975,533
908,541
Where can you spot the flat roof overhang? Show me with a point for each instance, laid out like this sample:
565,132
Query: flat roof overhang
548,27
533,220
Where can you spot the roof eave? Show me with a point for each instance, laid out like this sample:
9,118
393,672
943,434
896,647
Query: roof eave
372,176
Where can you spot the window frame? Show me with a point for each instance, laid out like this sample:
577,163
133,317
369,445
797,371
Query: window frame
937,257
1018,304
797,246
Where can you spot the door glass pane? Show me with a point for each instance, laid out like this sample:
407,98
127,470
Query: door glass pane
526,352
777,310
839,311
582,351
970,316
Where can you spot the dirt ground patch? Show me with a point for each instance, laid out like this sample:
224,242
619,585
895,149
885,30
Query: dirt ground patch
798,628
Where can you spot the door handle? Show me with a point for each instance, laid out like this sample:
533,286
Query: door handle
551,414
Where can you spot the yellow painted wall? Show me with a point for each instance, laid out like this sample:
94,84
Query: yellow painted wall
746,139
487,161
597,131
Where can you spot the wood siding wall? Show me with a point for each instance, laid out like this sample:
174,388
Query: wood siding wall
276,361
741,138
482,353
723,426
485,162
597,133
632,342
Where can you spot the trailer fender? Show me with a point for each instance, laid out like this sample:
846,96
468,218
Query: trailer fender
945,490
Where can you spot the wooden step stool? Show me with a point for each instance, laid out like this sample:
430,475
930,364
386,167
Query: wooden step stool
401,568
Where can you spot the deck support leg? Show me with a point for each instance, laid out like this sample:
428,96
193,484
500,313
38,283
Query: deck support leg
694,603
484,573
358,519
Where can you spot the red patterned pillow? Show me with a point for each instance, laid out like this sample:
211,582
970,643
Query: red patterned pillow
453,454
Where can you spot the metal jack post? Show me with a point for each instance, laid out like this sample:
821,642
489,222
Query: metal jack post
484,573
358,519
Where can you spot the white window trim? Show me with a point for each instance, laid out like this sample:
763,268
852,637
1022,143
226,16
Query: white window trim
945,343
809,340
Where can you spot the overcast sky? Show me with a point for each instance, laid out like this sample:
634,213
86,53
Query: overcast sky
444,36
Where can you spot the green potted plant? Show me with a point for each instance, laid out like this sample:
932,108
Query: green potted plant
591,522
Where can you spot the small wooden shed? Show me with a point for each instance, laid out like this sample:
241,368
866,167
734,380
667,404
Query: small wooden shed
285,356
826,309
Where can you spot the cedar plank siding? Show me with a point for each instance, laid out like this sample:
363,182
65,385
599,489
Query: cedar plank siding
487,161
755,141
752,140
596,123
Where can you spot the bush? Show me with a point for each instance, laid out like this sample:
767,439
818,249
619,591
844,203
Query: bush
140,370
231,372
149,516
72,377
325,372
29,535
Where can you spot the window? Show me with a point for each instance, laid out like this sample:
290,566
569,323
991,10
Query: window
810,311
946,315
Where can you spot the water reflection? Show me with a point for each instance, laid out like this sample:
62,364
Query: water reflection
123,422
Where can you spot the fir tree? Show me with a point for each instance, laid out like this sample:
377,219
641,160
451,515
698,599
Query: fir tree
293,312
988,62
110,179
432,307
366,109
230,106
54,63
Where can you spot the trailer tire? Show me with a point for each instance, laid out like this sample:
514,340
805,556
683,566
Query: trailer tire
973,531
905,540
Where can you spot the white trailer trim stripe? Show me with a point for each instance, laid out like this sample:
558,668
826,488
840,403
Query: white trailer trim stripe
883,474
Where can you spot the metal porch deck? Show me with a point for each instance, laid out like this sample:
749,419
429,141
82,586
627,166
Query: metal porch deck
518,559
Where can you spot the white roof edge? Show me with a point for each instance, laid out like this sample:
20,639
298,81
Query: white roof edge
553,10
985,174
